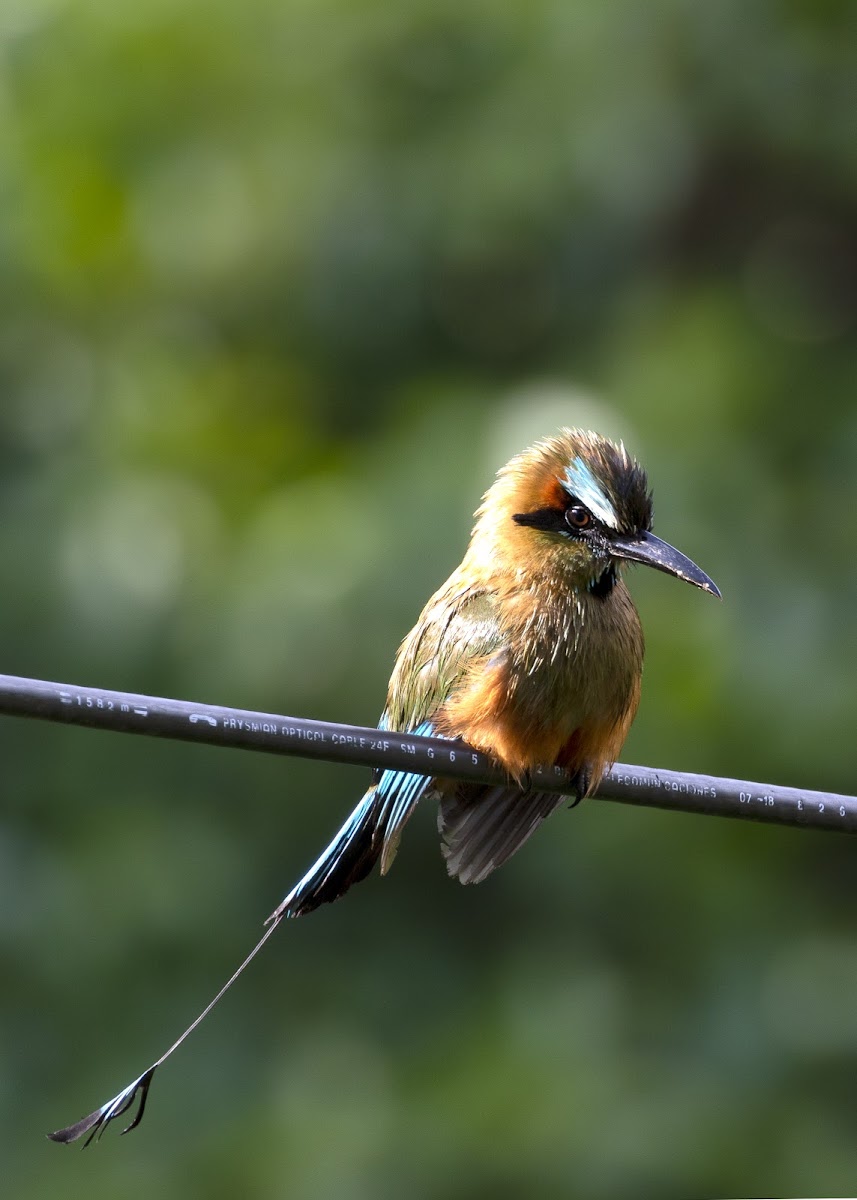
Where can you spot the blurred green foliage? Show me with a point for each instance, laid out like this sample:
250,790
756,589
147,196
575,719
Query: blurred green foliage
282,283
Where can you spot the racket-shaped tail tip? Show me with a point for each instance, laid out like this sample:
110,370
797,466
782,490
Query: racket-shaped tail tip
97,1121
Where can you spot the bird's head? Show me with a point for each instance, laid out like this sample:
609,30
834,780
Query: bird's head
579,502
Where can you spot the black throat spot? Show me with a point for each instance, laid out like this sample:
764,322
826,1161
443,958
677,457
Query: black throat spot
605,583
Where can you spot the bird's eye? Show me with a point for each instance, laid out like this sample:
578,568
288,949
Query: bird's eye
578,517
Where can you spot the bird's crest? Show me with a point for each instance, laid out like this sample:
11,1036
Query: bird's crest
573,464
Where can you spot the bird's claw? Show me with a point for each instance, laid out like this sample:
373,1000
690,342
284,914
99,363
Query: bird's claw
581,784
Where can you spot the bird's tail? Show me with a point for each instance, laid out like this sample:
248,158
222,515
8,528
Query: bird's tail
349,858
371,832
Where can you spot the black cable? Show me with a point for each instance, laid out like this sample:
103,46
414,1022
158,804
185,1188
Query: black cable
156,716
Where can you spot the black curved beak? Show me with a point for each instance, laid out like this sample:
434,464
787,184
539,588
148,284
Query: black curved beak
648,549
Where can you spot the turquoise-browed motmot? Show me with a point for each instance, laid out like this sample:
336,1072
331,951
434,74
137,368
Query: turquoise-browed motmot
531,651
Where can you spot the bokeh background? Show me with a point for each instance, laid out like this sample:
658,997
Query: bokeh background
282,283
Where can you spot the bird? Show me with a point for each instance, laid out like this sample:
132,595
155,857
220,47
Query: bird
531,651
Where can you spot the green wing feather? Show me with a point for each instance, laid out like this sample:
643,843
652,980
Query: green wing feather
457,628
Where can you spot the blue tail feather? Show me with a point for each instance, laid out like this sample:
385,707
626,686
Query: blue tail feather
372,830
